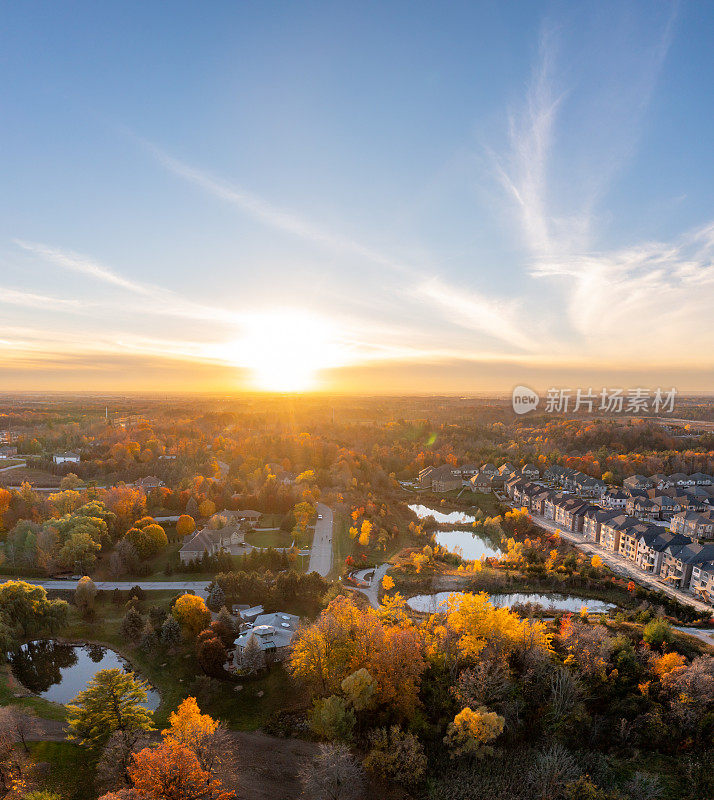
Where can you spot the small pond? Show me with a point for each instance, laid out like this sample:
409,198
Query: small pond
58,672
450,518
469,544
431,602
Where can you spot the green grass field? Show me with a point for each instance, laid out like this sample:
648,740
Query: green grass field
269,538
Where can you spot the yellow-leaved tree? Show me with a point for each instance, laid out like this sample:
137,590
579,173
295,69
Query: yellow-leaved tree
478,624
471,731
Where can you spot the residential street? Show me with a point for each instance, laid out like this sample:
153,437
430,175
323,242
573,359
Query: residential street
197,587
619,564
321,553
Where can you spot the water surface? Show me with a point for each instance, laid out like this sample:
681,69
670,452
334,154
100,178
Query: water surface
470,545
437,601
58,672
449,518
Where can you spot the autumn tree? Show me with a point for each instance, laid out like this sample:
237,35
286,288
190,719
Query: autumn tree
26,613
191,613
171,771
332,718
471,731
185,525
85,595
111,702
79,552
346,638
204,736
396,756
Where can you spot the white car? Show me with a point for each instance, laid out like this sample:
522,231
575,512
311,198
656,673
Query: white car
319,516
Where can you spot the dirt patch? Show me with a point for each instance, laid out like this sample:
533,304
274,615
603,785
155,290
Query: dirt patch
267,767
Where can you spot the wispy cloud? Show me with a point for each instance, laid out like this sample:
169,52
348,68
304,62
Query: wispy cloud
648,294
272,215
159,300
17,297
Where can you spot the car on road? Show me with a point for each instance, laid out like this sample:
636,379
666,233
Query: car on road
319,516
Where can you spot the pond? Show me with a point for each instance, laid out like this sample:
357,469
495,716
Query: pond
432,602
59,671
450,518
469,544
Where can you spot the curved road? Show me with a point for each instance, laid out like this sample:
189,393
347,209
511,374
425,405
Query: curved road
372,590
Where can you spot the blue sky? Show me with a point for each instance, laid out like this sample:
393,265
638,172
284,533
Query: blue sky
393,196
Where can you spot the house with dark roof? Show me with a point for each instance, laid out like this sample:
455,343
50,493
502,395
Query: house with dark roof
701,583
637,482
530,472
614,498
697,525
209,541
506,470
570,513
593,520
611,529
482,482
678,562
651,545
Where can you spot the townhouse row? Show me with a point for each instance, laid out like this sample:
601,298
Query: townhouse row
685,562
481,478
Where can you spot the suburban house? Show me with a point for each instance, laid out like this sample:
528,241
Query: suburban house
702,580
698,525
637,482
446,478
506,470
8,451
679,561
540,499
530,472
611,529
489,469
651,546
273,633
642,507
700,479
593,520
481,483
614,498
230,539
63,458
148,483
249,517
570,513
469,470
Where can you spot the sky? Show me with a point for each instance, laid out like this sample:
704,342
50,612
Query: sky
372,197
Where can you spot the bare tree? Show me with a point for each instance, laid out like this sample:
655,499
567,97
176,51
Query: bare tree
252,658
117,755
334,774
552,769
20,725
644,786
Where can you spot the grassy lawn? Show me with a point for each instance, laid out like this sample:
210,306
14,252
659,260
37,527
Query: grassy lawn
10,697
173,674
341,544
70,769
269,538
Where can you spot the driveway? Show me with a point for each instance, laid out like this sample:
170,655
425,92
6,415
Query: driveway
197,587
371,591
321,552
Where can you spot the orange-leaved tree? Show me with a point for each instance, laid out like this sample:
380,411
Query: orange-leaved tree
171,771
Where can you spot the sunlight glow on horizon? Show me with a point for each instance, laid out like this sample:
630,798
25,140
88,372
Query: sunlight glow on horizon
285,350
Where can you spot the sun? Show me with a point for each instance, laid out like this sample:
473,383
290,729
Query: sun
285,350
